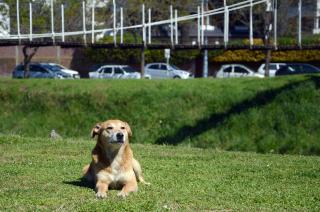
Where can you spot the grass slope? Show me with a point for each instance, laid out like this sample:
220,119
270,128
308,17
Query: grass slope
279,115
38,174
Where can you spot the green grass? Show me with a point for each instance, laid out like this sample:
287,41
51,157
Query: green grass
278,115
39,174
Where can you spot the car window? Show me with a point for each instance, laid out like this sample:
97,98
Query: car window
36,68
294,68
107,70
118,71
154,67
240,70
19,68
228,70
163,67
308,69
273,67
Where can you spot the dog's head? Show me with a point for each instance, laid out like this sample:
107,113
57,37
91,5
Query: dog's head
112,132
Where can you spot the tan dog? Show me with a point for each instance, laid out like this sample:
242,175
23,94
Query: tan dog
113,165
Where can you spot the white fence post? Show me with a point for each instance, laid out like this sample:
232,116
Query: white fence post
93,20
149,29
114,23
121,25
30,21
176,26
199,27
251,24
52,23
171,25
84,22
18,21
299,22
275,21
143,25
62,22
226,24
202,23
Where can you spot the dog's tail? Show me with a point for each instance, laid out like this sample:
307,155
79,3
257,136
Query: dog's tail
138,171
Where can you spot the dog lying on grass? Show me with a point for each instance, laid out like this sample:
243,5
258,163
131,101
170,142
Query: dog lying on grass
113,165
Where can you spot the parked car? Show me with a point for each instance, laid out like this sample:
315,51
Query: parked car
163,70
273,67
73,73
236,70
39,70
115,72
297,68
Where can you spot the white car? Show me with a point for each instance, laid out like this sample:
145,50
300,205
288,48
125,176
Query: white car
115,72
72,73
236,70
273,67
163,70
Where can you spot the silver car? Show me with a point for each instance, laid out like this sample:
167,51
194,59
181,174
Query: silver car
236,70
273,67
163,70
39,70
115,72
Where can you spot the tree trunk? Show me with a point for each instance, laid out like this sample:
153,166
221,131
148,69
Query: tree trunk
267,63
268,28
27,59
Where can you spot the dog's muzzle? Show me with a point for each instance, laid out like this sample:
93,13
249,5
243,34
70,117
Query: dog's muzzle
117,138
120,137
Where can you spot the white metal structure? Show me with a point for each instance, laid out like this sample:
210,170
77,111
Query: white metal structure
4,19
145,26
316,29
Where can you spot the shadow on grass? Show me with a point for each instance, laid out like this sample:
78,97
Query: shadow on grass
260,100
81,182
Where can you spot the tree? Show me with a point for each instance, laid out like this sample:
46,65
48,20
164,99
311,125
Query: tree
28,53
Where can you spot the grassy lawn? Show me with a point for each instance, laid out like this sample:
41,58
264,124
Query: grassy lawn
39,174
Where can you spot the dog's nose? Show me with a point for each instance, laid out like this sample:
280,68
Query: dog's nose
120,136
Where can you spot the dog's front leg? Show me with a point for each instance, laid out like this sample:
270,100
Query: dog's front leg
102,185
102,188
130,186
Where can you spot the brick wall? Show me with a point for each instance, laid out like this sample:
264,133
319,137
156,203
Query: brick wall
70,57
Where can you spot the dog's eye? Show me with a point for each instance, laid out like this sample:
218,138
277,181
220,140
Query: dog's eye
123,128
109,128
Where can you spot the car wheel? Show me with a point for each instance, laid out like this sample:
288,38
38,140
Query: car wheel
176,77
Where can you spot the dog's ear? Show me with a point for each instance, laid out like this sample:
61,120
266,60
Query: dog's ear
96,130
128,129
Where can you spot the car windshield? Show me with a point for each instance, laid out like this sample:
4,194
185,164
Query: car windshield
60,66
52,68
174,67
128,69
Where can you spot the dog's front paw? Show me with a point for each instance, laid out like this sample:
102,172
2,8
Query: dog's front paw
123,194
101,195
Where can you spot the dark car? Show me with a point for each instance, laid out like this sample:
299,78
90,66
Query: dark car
38,70
297,68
